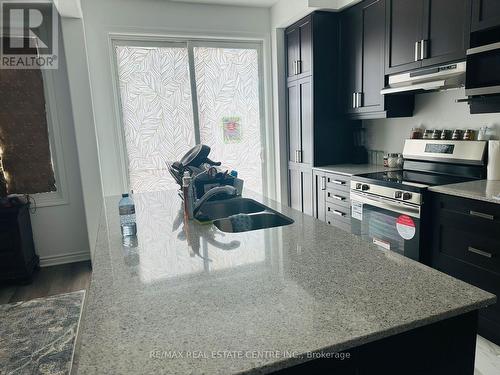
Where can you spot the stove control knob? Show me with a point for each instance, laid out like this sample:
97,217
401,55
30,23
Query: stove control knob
365,187
398,194
407,196
358,186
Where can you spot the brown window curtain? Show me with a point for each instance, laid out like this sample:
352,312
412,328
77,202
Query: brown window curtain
24,137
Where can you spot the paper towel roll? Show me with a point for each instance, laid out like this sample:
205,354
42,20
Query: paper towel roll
494,160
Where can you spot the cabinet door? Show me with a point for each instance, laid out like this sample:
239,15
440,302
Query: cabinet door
306,121
485,14
307,192
319,199
293,120
404,31
292,47
446,31
295,188
351,34
373,38
305,50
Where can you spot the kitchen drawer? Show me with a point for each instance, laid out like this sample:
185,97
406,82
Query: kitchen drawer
470,247
337,182
339,211
478,211
338,197
339,223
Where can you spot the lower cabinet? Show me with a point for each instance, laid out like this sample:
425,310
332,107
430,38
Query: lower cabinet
300,182
466,245
331,199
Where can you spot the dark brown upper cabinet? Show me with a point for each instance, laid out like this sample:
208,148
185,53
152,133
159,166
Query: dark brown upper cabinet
485,14
422,33
363,62
299,49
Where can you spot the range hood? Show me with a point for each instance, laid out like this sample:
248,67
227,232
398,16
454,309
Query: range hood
430,79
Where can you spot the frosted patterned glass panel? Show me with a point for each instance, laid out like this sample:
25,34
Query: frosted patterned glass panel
157,112
227,82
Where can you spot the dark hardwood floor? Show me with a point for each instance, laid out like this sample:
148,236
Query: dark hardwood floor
49,281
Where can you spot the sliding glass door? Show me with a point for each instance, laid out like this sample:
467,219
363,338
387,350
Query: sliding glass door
175,94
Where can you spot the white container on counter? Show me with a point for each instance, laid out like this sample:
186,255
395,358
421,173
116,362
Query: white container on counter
494,160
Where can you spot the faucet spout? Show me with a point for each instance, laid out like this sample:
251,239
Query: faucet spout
227,189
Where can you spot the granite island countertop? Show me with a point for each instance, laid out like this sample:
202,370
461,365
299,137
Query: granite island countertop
191,299
483,190
354,169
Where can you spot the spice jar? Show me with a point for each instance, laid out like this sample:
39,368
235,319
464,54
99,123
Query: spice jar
400,161
392,160
446,134
416,133
457,135
469,135
436,134
428,134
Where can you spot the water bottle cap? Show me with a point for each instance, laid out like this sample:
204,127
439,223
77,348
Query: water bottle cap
233,173
125,195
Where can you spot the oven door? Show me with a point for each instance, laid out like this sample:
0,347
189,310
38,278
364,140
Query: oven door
483,75
390,224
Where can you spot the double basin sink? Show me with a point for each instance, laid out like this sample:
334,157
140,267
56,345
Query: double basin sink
241,215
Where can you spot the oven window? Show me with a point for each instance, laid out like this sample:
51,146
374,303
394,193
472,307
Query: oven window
390,230
482,69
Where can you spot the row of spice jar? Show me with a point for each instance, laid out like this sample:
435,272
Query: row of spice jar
456,135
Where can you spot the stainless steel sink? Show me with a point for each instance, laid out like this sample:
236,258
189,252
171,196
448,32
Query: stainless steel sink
241,215
248,222
225,208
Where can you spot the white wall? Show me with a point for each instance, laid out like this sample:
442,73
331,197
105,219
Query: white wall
433,111
60,232
102,17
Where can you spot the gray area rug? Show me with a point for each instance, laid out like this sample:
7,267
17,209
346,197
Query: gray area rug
38,336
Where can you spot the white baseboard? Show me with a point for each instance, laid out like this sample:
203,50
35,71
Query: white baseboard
54,260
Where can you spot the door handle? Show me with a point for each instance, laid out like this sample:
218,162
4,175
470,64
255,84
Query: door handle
417,51
295,67
299,66
323,183
481,215
299,156
423,49
296,159
480,252
354,100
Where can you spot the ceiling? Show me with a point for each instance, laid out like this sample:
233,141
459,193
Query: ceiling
251,3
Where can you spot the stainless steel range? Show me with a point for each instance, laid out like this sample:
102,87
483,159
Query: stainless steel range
389,208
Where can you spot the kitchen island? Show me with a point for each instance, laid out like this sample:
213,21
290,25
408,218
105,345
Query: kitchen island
190,299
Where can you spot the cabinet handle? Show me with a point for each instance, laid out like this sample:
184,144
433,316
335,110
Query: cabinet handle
338,182
338,213
417,51
481,215
354,100
480,252
299,156
360,100
323,183
337,197
423,49
299,66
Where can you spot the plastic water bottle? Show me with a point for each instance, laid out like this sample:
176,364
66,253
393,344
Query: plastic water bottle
126,208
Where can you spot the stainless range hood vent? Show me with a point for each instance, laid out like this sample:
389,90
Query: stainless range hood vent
439,78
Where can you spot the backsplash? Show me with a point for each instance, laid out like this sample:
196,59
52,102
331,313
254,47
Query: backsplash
437,110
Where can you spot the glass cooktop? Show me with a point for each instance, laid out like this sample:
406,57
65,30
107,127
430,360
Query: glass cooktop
412,179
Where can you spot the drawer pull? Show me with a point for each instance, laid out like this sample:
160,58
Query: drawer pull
480,252
480,214
337,182
338,213
337,197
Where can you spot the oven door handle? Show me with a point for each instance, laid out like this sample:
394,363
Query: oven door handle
388,204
